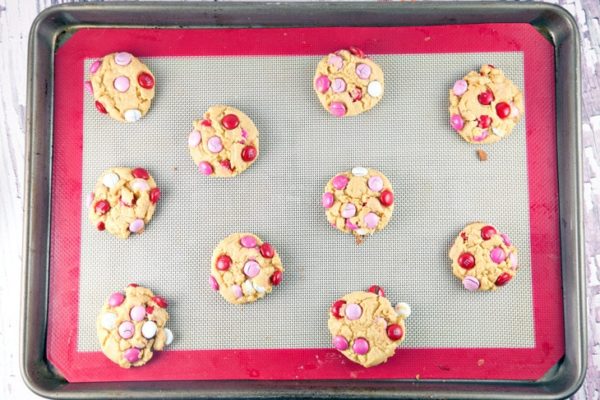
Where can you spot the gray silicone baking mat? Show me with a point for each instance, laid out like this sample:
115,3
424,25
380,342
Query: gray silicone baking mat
440,185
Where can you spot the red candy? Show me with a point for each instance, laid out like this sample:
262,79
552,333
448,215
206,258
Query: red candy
503,110
266,250
154,195
378,290
102,207
356,94
248,153
466,260
464,236
394,332
487,232
162,303
356,51
336,307
206,122
100,107
276,278
386,198
140,173
486,97
146,80
133,285
503,279
223,262
484,121
100,226
226,164
230,121
149,310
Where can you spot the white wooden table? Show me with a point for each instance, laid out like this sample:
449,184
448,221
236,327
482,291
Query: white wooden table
16,17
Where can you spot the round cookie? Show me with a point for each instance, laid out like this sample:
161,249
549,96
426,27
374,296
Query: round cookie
131,326
348,83
122,86
366,328
244,268
360,201
485,106
224,142
483,258
123,201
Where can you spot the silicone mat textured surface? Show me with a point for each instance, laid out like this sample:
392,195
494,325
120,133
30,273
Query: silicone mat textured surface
440,186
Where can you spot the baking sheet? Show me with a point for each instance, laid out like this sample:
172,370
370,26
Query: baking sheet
439,182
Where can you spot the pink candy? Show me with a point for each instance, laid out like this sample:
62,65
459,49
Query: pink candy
340,343
237,291
140,185
138,313
121,83
95,66
89,199
194,139
340,182
126,329
214,144
497,255
339,85
214,285
363,71
470,283
506,239
132,355
136,226
87,85
360,346
338,109
251,269
350,225
514,260
335,61
322,83
116,299
460,87
205,168
482,136
327,200
457,122
371,220
248,241
349,210
375,183
123,58
353,311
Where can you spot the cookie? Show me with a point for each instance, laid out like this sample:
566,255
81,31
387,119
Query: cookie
366,328
348,83
224,142
131,326
122,86
244,268
485,106
123,201
483,258
360,201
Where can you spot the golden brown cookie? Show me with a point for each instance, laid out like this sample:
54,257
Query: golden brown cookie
366,328
244,268
224,142
483,258
131,326
123,201
360,201
485,106
348,83
122,86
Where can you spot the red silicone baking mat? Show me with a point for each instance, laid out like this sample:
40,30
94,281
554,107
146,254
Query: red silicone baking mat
518,363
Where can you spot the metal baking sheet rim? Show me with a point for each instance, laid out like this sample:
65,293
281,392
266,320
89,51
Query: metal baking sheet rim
557,25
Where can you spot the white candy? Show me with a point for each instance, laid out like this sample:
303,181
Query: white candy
375,89
110,180
259,288
132,115
149,329
108,320
361,231
359,171
498,132
403,309
248,288
169,336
